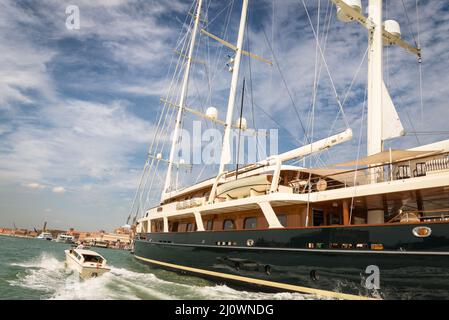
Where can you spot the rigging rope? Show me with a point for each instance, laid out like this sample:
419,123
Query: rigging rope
327,67
409,23
295,108
418,27
347,95
312,118
214,73
358,153
165,110
251,84
157,131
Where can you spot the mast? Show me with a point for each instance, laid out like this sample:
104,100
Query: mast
376,212
375,78
182,100
226,150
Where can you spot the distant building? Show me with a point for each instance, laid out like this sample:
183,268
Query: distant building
123,230
6,231
72,232
111,240
20,232
83,235
33,234
117,238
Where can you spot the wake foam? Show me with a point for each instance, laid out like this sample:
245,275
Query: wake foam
49,275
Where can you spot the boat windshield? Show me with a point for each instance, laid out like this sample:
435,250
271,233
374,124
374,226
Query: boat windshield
91,258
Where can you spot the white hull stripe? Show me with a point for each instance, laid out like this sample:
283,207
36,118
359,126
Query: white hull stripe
350,251
278,285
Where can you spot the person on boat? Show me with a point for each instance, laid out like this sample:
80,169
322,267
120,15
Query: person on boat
80,246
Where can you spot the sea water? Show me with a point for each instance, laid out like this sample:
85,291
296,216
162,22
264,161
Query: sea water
35,269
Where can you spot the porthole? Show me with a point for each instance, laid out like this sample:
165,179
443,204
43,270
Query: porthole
250,242
422,232
314,275
267,270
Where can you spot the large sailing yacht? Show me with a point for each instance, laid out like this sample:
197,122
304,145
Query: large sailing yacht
377,226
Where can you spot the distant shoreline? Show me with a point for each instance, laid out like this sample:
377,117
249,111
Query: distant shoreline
16,236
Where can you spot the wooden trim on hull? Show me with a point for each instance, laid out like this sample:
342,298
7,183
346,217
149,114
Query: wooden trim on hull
272,284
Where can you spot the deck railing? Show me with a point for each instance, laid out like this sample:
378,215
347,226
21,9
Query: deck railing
417,167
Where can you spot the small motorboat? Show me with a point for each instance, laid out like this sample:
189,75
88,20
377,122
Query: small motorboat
65,238
45,236
87,263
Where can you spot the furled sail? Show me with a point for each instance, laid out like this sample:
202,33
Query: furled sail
391,124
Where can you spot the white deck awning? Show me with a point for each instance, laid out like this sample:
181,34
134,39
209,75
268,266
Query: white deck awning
387,157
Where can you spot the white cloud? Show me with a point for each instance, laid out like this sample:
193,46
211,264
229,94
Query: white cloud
58,190
75,140
35,185
87,187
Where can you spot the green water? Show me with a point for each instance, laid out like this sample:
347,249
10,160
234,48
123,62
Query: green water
35,269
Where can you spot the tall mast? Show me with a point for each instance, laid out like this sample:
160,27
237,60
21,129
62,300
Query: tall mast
376,214
182,100
226,150
375,78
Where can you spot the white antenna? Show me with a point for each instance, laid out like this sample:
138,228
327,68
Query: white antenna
182,101
226,150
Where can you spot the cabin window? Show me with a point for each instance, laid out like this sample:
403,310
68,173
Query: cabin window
334,219
157,225
210,225
228,224
90,258
190,227
282,219
318,217
174,227
250,223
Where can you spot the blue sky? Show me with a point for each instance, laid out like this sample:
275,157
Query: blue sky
78,108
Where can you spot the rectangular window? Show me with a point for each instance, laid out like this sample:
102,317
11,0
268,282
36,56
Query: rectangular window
210,225
174,227
334,219
190,227
282,219
318,217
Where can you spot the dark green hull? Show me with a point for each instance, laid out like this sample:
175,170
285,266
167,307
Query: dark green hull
410,267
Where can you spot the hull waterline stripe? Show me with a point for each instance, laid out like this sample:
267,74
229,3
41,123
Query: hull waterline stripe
289,287
354,251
